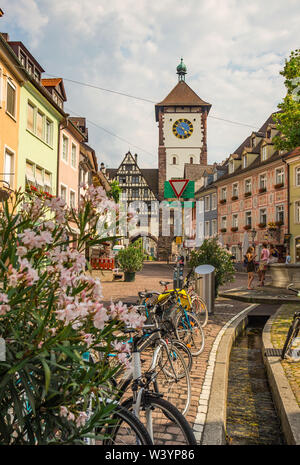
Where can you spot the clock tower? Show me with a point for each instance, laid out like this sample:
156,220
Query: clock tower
182,123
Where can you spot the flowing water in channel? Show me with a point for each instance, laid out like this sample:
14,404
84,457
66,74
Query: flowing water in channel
251,415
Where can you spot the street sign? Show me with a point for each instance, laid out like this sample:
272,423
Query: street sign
178,240
178,186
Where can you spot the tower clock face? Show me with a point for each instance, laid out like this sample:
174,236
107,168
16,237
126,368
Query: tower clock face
182,128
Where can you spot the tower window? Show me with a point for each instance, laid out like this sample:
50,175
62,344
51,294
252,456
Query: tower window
174,161
191,160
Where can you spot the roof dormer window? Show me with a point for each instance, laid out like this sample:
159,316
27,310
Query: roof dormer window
264,153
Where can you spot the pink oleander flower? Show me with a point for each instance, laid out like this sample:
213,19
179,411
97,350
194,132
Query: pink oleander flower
4,309
3,298
123,358
63,411
21,251
81,419
100,316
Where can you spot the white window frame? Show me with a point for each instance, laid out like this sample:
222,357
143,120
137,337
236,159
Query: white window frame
277,212
214,227
281,171
65,187
214,201
9,177
224,222
235,220
223,193
64,137
235,187
50,143
297,211
73,146
10,83
71,191
297,176
264,154
264,184
206,228
248,214
207,203
249,181
260,215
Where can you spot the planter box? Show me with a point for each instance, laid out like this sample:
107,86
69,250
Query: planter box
223,230
234,229
247,194
278,186
262,225
234,197
283,274
279,223
223,201
261,190
247,227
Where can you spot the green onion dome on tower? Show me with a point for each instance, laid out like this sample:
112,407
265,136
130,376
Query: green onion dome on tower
181,70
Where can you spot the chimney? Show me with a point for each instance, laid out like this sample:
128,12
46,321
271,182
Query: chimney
135,157
5,35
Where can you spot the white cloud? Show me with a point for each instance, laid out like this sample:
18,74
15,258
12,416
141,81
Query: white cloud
233,49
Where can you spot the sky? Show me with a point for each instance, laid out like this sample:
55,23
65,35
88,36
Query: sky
233,50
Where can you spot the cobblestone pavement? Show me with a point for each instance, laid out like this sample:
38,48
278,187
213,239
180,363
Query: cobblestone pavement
224,310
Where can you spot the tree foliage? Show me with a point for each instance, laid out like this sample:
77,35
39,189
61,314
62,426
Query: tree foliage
212,253
288,118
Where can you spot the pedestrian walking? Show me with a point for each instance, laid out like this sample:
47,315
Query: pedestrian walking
263,263
287,258
250,257
274,254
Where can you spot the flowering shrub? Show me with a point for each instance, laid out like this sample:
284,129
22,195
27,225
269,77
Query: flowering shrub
211,252
50,315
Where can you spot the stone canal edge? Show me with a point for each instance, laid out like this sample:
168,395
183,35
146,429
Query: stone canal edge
210,422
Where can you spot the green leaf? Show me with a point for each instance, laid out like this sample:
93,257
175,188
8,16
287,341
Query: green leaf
47,372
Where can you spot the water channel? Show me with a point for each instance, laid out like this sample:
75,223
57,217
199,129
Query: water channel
251,415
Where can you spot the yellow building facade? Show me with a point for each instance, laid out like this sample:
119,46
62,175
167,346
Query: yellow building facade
11,80
293,161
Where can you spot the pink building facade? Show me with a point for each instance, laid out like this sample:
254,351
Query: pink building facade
253,195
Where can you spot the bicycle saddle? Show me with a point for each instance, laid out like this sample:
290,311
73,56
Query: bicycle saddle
143,294
164,283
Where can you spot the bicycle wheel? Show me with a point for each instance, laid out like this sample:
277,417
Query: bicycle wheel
173,378
125,429
163,421
188,329
200,308
185,352
292,333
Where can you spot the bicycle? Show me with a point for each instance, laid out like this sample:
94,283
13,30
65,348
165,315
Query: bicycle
163,420
293,329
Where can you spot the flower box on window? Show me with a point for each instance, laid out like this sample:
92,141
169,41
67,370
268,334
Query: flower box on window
279,223
234,228
223,201
247,194
262,189
262,225
234,197
279,185
223,230
247,226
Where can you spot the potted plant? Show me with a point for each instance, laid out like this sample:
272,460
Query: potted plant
279,185
223,230
247,226
247,194
262,189
234,228
223,201
279,223
272,226
262,225
234,197
130,260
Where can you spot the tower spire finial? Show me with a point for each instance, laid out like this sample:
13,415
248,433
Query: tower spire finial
181,71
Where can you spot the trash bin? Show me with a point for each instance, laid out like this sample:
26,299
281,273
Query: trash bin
205,284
